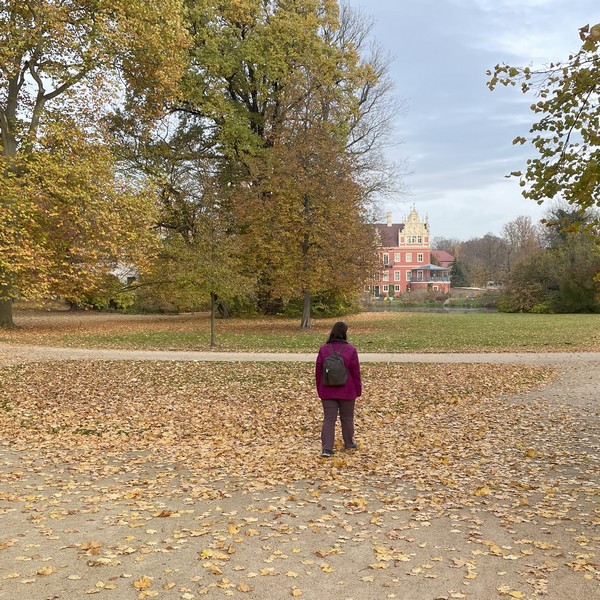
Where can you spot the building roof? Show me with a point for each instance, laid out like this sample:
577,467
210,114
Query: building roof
442,256
430,267
389,234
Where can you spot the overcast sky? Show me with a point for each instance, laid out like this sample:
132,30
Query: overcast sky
456,136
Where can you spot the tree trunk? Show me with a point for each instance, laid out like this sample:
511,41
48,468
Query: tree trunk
213,302
6,308
305,322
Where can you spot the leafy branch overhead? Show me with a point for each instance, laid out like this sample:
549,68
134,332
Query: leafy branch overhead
566,136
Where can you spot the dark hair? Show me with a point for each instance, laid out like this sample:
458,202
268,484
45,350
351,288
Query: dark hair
338,332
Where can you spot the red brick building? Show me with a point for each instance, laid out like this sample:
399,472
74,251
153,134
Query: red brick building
405,259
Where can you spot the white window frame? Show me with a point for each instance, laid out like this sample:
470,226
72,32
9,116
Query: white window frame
386,258
420,274
396,275
409,257
386,276
396,257
386,288
420,257
396,288
409,275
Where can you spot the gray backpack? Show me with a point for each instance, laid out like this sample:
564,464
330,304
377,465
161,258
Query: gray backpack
334,369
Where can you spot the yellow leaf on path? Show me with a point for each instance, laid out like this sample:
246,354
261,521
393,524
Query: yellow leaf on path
244,587
169,585
142,583
46,571
291,574
483,491
369,578
12,576
296,592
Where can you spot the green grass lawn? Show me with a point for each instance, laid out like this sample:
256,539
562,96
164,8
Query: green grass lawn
370,332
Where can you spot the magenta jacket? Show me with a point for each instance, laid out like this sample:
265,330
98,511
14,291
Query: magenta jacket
353,387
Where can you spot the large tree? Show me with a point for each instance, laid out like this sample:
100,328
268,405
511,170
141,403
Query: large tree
521,237
65,64
306,220
567,134
271,82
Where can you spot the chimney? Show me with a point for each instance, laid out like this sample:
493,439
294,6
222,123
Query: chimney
389,219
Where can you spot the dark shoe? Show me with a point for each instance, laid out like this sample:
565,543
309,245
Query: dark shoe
353,447
327,454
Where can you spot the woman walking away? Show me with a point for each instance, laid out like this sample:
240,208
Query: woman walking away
338,387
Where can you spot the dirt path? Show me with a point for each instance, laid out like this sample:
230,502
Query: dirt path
136,528
19,353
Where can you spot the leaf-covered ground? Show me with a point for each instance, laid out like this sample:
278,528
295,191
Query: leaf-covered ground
185,480
261,421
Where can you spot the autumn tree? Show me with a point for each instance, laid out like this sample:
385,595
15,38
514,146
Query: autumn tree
63,66
566,135
521,239
483,259
446,244
262,74
319,239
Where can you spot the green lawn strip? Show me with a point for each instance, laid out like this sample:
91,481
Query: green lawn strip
393,332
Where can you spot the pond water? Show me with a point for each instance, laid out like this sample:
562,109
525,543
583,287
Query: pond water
390,307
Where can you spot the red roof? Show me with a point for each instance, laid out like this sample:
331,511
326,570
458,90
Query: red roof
442,256
389,234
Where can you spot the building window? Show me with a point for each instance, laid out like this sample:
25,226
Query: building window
386,275
397,257
396,288
419,275
435,288
386,259
419,239
396,275
408,275
409,257
386,288
420,257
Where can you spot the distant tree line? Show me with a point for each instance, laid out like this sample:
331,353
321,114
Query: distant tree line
547,267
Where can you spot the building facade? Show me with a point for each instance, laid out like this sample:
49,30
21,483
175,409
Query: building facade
405,259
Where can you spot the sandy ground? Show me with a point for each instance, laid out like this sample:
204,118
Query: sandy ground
141,529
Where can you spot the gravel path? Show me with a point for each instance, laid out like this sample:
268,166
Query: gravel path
19,353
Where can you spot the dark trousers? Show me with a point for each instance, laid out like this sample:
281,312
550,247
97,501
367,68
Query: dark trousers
331,408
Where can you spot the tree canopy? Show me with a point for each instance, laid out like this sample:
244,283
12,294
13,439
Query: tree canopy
567,134
66,212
